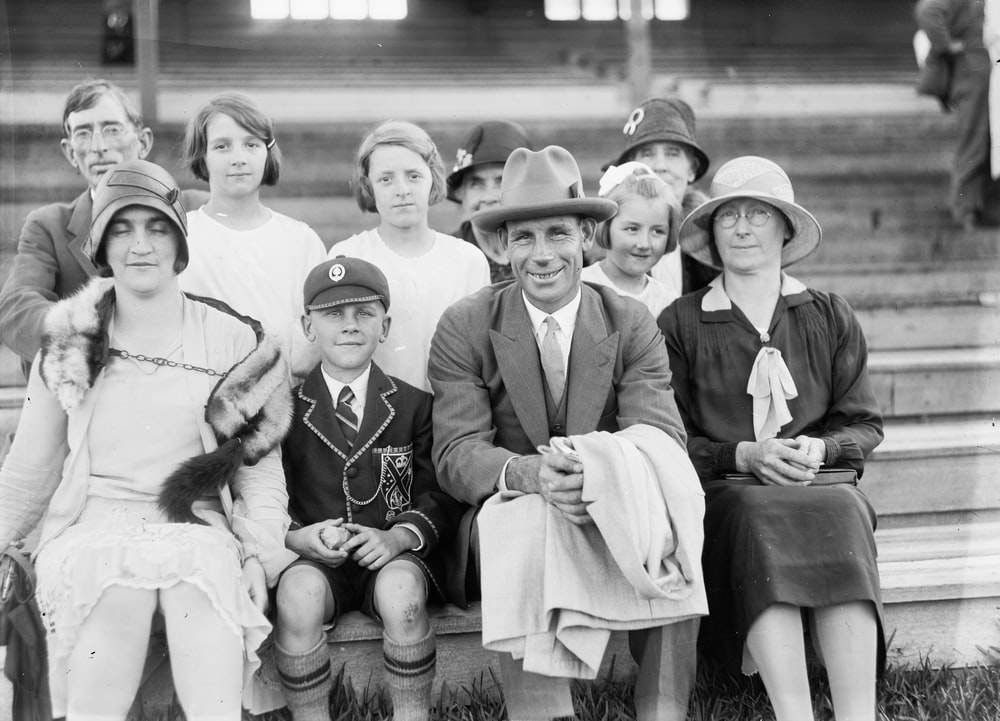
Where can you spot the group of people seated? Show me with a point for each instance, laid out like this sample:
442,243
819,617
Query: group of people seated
594,412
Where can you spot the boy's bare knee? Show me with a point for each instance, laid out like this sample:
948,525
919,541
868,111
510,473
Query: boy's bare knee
301,598
400,595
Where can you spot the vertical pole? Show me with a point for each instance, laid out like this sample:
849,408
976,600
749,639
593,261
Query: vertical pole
639,53
147,37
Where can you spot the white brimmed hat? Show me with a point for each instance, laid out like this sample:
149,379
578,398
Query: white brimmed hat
750,177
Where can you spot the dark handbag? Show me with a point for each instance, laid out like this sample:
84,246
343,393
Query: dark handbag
935,78
22,632
824,477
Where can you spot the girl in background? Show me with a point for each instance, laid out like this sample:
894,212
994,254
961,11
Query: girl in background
644,229
399,175
242,252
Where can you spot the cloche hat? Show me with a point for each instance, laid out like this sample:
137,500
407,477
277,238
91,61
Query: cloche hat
539,184
489,142
751,177
136,182
662,120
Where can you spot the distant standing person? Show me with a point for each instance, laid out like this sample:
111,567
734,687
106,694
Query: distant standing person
399,175
660,133
475,183
955,29
101,128
242,252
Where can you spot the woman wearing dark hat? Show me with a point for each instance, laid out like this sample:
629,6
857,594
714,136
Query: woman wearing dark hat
660,133
475,184
160,493
771,379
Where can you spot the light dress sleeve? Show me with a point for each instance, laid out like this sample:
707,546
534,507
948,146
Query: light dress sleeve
33,469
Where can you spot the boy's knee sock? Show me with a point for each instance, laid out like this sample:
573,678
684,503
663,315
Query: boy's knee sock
409,674
306,681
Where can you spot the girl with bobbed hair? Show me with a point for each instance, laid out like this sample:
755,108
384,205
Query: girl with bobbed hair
399,174
643,230
159,497
242,252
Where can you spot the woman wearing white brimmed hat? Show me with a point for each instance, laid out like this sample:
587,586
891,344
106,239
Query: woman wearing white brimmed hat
771,380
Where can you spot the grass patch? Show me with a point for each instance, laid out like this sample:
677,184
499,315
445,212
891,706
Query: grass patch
907,693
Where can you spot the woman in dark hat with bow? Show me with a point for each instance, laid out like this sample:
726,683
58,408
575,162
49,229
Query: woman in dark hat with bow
771,380
660,133
146,439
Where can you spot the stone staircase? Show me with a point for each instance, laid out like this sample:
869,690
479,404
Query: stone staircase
928,298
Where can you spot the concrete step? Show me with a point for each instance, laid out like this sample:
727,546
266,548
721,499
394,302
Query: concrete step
941,592
462,662
944,382
926,473
967,323
868,284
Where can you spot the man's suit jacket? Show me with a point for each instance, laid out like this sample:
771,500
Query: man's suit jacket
50,265
388,469
489,402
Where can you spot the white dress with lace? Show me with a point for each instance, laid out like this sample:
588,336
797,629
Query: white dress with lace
143,426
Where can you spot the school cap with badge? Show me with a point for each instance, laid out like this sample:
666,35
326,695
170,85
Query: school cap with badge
343,280
489,142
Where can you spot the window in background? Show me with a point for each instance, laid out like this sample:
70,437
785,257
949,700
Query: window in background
322,9
614,9
310,9
269,9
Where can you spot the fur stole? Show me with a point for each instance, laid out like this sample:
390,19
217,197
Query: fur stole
249,409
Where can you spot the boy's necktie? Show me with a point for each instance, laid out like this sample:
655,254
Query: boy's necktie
552,362
347,417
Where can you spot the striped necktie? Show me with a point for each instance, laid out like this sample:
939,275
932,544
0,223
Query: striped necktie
346,415
552,361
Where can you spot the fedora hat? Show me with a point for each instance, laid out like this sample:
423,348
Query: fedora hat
662,120
489,142
750,177
540,184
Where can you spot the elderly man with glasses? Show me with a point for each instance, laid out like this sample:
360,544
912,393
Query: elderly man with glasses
101,129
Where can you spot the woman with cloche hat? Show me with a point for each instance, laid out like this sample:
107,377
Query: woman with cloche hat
771,379
660,133
147,440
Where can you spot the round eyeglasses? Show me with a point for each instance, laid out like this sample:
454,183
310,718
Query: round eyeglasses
755,215
112,133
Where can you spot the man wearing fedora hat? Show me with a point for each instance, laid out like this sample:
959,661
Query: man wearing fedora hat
513,366
475,184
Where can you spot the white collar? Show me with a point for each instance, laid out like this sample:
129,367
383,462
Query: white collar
565,316
359,385
717,298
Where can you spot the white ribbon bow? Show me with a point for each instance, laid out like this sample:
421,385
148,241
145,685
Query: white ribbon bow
770,385
616,174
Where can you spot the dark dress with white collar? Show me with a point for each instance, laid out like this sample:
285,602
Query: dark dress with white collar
805,546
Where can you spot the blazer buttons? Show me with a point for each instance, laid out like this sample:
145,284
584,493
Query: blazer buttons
351,472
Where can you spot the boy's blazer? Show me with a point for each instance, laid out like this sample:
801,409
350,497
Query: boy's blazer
385,479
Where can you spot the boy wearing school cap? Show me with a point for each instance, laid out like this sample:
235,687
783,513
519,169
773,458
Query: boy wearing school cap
368,514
